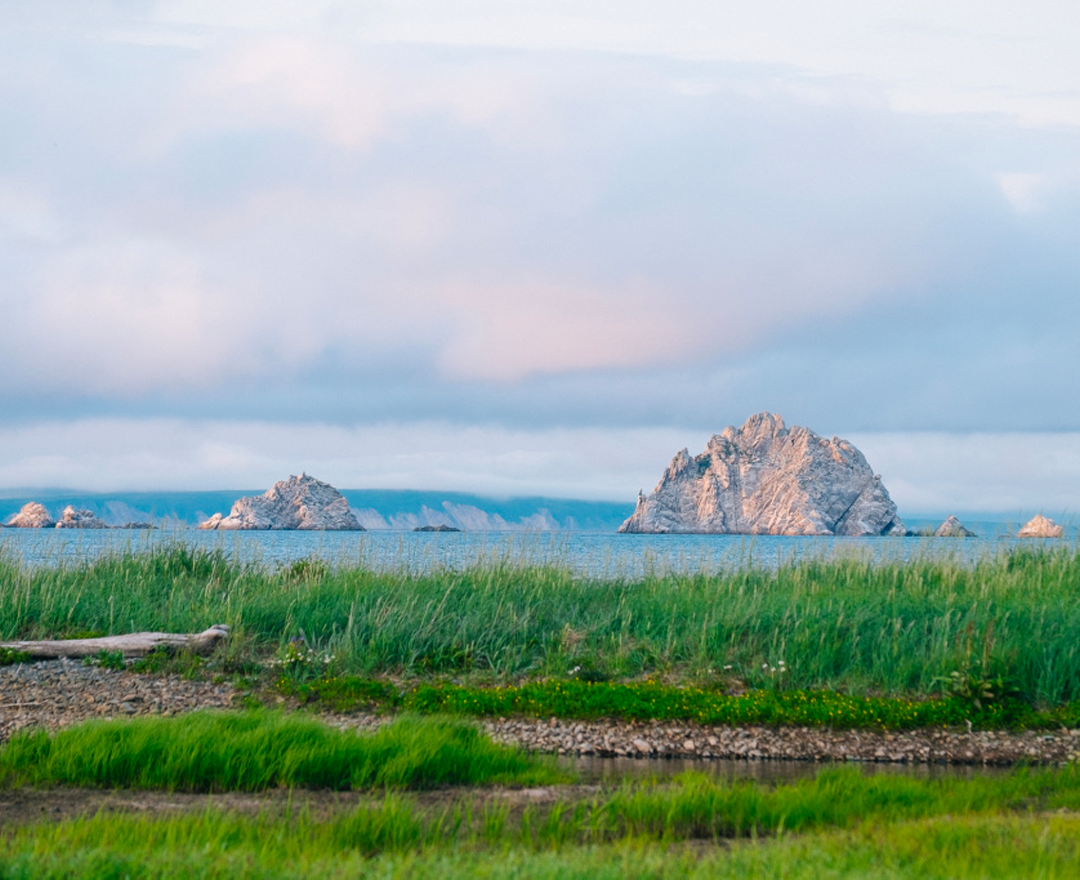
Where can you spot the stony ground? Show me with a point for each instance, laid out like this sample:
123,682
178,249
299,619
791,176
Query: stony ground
61,692
55,693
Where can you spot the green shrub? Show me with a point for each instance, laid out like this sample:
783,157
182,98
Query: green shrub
12,656
113,660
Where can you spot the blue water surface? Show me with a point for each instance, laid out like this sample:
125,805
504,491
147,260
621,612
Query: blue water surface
592,554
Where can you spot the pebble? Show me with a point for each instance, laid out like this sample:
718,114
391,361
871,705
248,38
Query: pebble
655,738
55,693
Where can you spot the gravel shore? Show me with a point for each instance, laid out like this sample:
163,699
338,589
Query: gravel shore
57,693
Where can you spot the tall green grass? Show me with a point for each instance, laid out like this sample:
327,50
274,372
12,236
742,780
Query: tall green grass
1016,846
840,823
889,627
254,751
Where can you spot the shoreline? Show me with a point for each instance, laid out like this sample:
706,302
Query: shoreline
58,693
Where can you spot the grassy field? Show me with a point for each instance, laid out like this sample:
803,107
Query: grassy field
839,642
843,625
839,823
1014,846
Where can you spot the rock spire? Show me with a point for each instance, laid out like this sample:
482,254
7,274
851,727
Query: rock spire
767,479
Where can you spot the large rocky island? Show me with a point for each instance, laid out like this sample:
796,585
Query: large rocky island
301,503
767,479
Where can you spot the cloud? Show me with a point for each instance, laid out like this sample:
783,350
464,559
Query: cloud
118,454
530,218
299,202
135,317
925,472
1006,473
925,57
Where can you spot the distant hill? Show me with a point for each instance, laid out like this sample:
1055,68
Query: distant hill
374,508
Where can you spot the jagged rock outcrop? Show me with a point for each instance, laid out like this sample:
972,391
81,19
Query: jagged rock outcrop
1040,526
767,479
79,519
953,528
31,516
301,503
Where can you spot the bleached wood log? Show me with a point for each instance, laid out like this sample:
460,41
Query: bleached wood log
130,644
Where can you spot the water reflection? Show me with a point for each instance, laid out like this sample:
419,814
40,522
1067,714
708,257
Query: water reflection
597,770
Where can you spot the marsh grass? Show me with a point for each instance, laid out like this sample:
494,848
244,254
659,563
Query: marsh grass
846,624
255,751
840,823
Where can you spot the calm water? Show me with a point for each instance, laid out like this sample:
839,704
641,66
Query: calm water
599,554
613,770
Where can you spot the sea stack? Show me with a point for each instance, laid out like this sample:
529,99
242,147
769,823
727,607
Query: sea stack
1040,526
767,479
953,528
79,519
301,503
31,516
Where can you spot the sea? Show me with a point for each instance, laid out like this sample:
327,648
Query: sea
583,553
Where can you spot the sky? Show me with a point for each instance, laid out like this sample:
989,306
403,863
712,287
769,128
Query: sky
538,247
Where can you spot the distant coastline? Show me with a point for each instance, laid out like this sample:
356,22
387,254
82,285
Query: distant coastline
376,509
408,509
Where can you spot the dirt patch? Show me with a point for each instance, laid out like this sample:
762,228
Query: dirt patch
22,806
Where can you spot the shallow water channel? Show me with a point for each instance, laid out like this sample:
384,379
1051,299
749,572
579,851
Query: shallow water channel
596,770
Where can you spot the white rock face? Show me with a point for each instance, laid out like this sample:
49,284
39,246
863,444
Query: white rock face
767,479
79,519
301,503
31,516
215,521
952,528
1040,526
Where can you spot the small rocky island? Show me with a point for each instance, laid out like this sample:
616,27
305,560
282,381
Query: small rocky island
35,516
31,516
79,519
1040,526
767,479
952,528
299,503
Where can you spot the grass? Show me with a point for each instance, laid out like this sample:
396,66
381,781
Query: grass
649,700
838,824
255,751
940,848
843,642
843,625
258,751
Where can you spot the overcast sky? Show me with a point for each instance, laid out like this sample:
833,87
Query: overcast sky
538,247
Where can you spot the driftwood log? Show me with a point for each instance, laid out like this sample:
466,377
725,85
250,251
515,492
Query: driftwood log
130,645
